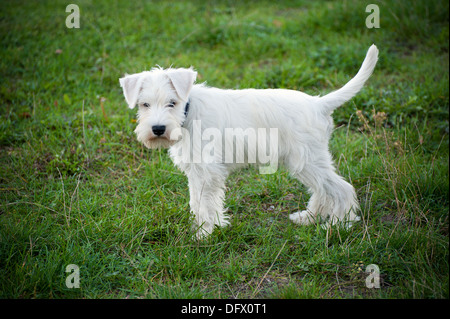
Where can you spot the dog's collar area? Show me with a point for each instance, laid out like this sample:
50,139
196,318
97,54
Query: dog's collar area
186,111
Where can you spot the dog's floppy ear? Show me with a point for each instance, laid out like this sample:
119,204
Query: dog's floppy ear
182,80
131,84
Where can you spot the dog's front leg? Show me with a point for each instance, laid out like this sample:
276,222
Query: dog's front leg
207,192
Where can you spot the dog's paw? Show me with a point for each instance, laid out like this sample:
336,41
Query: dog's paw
302,218
202,234
345,224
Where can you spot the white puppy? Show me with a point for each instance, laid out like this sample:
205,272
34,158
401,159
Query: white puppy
195,121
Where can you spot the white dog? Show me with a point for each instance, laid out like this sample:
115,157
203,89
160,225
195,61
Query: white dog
175,113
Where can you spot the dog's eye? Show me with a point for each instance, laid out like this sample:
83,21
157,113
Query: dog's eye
146,105
172,104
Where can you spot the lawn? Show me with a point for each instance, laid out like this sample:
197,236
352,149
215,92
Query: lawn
76,188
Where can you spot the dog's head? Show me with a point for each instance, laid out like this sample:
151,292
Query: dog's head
161,96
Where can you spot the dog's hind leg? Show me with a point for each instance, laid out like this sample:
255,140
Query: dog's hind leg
331,195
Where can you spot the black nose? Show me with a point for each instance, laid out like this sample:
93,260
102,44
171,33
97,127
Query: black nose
158,130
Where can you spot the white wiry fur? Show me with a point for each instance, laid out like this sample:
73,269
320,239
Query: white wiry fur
304,126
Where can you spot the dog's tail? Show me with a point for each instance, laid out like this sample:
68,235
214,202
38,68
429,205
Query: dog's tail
335,99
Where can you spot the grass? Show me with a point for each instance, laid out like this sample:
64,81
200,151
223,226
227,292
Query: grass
77,188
